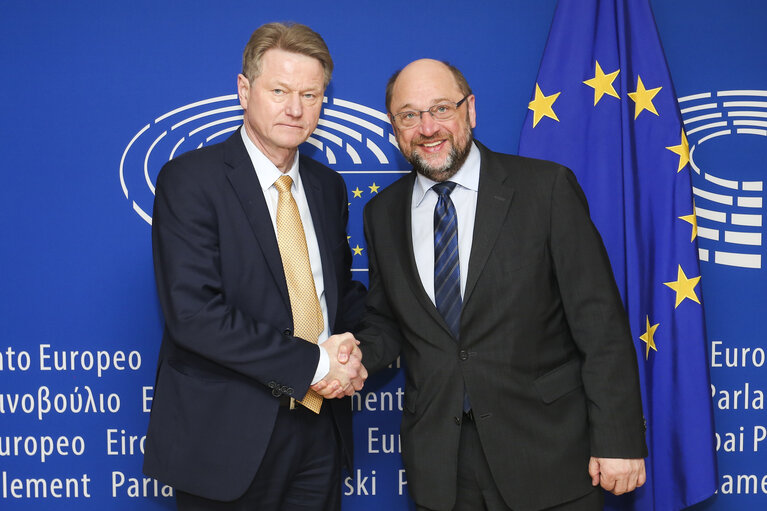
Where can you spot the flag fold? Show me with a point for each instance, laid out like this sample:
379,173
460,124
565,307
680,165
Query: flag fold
604,106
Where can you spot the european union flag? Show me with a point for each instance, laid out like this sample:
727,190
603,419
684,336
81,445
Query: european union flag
604,106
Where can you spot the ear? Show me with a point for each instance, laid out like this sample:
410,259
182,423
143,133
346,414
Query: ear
472,111
243,90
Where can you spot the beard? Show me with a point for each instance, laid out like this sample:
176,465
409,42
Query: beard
454,161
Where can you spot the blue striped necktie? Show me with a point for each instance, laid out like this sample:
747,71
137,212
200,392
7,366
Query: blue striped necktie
447,271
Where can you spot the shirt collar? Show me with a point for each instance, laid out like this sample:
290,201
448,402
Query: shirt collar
466,177
266,171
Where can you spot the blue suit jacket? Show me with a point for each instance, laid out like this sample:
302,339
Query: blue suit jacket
228,352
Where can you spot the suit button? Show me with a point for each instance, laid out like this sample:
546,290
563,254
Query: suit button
287,332
463,355
457,420
272,384
276,393
289,391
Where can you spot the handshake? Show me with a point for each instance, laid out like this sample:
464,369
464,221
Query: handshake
347,374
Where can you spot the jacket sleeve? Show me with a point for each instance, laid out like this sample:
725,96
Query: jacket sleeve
187,248
598,324
380,336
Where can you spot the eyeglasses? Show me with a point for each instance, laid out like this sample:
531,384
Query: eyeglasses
440,112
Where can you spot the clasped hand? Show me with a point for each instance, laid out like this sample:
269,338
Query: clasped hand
347,374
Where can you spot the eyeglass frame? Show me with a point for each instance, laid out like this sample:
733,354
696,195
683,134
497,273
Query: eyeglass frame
429,111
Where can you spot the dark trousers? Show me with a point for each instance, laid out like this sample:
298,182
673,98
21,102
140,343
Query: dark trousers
476,489
301,469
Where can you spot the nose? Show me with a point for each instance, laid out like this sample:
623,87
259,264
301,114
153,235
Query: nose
293,106
428,125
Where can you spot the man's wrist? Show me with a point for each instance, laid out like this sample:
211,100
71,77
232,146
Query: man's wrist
323,365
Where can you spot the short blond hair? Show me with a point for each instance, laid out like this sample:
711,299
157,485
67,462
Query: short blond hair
292,37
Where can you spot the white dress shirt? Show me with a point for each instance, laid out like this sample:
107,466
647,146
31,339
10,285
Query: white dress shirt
464,197
268,174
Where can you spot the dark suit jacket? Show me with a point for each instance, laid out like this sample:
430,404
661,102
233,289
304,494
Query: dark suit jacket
228,351
545,349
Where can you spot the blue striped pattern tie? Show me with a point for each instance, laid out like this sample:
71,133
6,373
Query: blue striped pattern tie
447,272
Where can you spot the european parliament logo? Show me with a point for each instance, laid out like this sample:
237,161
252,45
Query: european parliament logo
351,138
727,136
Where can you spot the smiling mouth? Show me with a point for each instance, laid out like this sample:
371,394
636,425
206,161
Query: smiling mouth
432,146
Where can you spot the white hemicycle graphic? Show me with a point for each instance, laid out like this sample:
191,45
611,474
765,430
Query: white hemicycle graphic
348,136
730,223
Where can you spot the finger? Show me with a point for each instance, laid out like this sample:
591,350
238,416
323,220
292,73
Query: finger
642,478
322,392
636,478
621,486
594,471
607,481
343,353
330,389
631,482
352,370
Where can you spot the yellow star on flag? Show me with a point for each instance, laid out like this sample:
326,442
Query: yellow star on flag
647,337
602,83
683,150
542,106
357,192
684,287
357,250
692,220
643,98
374,188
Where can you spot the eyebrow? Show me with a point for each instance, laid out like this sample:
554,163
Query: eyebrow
284,85
409,106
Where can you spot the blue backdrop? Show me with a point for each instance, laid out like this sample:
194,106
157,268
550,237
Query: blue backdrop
97,95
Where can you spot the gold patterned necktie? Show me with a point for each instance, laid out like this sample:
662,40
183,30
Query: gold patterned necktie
307,315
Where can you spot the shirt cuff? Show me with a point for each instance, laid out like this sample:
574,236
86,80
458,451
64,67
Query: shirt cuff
323,366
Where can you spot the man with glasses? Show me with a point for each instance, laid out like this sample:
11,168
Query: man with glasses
522,390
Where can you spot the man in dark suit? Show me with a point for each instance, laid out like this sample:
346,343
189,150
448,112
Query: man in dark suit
486,272
253,271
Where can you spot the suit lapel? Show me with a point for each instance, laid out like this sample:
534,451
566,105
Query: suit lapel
402,235
493,201
247,188
314,197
